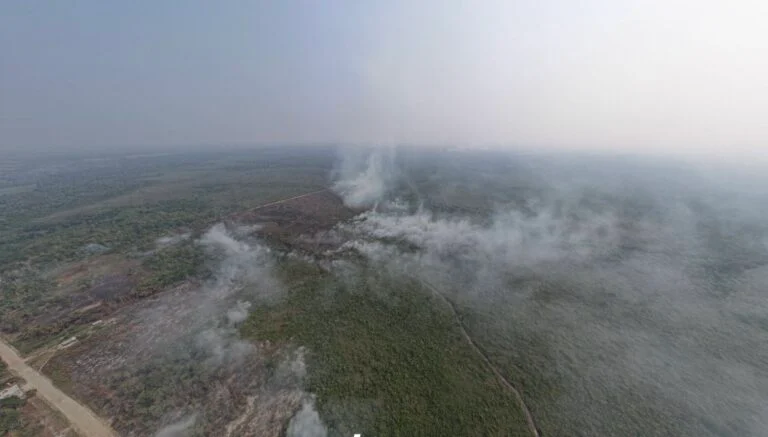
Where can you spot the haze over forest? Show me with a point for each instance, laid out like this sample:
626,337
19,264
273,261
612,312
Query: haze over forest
320,219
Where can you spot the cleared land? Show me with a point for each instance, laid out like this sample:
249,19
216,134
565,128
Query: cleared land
81,418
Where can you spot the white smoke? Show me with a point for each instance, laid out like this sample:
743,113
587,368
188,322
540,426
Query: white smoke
238,313
243,268
248,266
223,346
294,366
170,240
511,239
646,295
364,181
242,273
306,422
219,237
240,264
178,429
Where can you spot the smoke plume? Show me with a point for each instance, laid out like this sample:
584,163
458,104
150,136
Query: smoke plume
641,301
177,429
306,422
364,179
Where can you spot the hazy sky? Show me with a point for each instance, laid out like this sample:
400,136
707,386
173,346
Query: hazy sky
647,75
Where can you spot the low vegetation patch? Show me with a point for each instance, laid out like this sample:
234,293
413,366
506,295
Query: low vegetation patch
171,265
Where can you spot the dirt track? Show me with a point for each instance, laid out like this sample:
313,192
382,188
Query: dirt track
82,419
277,202
508,385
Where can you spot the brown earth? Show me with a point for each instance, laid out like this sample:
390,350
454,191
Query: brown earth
288,223
49,422
82,419
150,343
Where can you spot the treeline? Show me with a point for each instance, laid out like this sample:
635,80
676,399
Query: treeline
120,229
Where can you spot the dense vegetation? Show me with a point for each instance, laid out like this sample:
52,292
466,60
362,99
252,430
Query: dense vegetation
171,265
385,360
10,418
13,422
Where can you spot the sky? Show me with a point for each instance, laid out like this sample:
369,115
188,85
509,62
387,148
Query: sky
673,76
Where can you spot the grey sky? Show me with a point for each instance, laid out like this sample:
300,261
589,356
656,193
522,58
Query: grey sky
685,76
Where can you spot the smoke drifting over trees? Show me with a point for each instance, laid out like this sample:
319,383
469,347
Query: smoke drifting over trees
634,291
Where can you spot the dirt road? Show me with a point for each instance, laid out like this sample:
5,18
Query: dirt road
504,382
82,419
277,202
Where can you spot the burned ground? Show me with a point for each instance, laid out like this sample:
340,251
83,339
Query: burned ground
152,365
87,253
78,295
287,224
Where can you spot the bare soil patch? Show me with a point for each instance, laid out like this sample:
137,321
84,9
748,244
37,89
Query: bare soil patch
287,223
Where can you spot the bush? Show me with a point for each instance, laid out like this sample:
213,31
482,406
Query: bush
10,419
12,402
172,265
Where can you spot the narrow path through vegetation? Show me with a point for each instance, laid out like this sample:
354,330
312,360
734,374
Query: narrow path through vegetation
277,202
504,382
